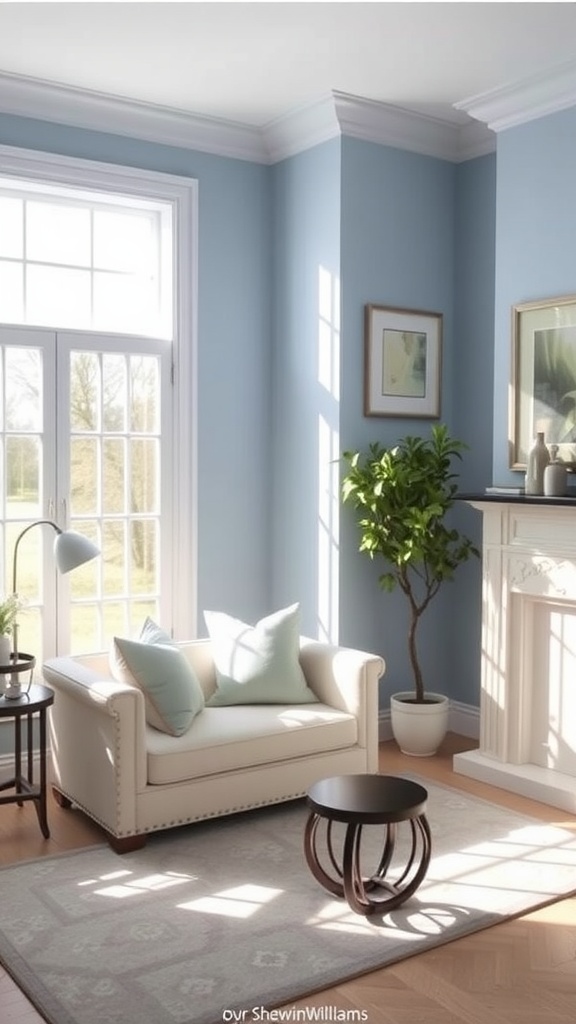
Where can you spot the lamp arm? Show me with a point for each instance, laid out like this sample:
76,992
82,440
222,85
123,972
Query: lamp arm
38,522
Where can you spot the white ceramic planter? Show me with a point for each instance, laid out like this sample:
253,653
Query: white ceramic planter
419,728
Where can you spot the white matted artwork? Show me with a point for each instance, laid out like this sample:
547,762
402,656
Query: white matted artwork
402,364
543,386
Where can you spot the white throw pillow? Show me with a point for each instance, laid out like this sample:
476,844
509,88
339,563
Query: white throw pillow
258,664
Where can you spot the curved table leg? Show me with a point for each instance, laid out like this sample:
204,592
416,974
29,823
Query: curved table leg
333,885
374,894
406,884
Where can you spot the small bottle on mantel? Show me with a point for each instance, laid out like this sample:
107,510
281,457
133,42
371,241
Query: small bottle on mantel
555,475
538,459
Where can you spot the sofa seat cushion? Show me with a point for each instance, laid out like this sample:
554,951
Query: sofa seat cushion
231,738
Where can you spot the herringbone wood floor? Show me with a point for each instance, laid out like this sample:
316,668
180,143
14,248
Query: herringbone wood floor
520,972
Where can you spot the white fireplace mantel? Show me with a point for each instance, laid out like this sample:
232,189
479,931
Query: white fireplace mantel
528,682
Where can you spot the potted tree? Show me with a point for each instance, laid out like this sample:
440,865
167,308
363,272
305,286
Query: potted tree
402,495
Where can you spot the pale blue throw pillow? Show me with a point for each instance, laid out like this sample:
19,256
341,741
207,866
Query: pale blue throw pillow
172,693
154,634
258,664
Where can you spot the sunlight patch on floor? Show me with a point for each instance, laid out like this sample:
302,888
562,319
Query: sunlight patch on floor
132,886
241,902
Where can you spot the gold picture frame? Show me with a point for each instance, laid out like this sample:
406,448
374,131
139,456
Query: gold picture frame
543,380
402,362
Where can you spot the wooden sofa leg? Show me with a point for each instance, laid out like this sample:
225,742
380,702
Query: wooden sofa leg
120,844
60,799
126,844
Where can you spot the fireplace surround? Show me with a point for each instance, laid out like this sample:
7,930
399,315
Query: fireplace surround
528,676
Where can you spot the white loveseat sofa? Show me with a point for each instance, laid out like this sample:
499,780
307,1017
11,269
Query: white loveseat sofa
133,779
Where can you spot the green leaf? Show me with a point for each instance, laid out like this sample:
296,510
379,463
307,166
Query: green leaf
401,496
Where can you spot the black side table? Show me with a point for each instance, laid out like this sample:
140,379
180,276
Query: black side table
358,800
34,702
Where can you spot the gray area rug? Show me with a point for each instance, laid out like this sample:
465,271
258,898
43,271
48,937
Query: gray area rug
216,921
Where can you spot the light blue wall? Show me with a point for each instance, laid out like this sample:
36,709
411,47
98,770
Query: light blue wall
472,370
306,201
414,232
398,216
535,239
234,351
473,387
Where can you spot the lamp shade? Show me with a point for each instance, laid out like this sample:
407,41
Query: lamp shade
73,549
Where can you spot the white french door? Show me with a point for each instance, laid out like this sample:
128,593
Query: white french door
86,428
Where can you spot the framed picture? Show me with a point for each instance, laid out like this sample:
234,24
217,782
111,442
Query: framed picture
402,362
543,391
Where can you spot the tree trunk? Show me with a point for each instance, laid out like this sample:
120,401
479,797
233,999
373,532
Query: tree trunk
417,671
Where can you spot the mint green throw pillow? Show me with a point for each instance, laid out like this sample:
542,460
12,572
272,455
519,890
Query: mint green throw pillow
153,634
172,693
258,664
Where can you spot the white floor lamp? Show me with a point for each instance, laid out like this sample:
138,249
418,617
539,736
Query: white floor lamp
70,551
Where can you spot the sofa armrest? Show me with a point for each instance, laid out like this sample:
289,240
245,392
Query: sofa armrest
97,739
346,679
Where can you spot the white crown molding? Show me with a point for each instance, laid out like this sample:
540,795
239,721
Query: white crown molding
394,126
342,114
519,102
81,108
474,139
302,129
332,116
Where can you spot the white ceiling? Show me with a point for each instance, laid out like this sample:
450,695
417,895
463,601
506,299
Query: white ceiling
253,63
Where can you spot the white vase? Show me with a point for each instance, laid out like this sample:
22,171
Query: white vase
538,459
5,652
419,728
555,475
5,648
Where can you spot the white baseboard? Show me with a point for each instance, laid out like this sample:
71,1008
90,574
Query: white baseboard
7,761
384,727
464,720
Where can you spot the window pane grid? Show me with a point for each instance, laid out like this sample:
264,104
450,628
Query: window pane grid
84,265
21,482
115,489
11,227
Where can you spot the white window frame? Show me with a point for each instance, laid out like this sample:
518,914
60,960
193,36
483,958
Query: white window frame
182,194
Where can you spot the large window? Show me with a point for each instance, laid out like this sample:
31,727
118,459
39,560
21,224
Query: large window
97,374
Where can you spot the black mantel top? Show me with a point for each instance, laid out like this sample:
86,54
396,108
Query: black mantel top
518,499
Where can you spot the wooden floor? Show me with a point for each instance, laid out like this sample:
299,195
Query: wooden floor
520,972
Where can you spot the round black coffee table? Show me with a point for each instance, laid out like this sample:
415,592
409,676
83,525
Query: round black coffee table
358,800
